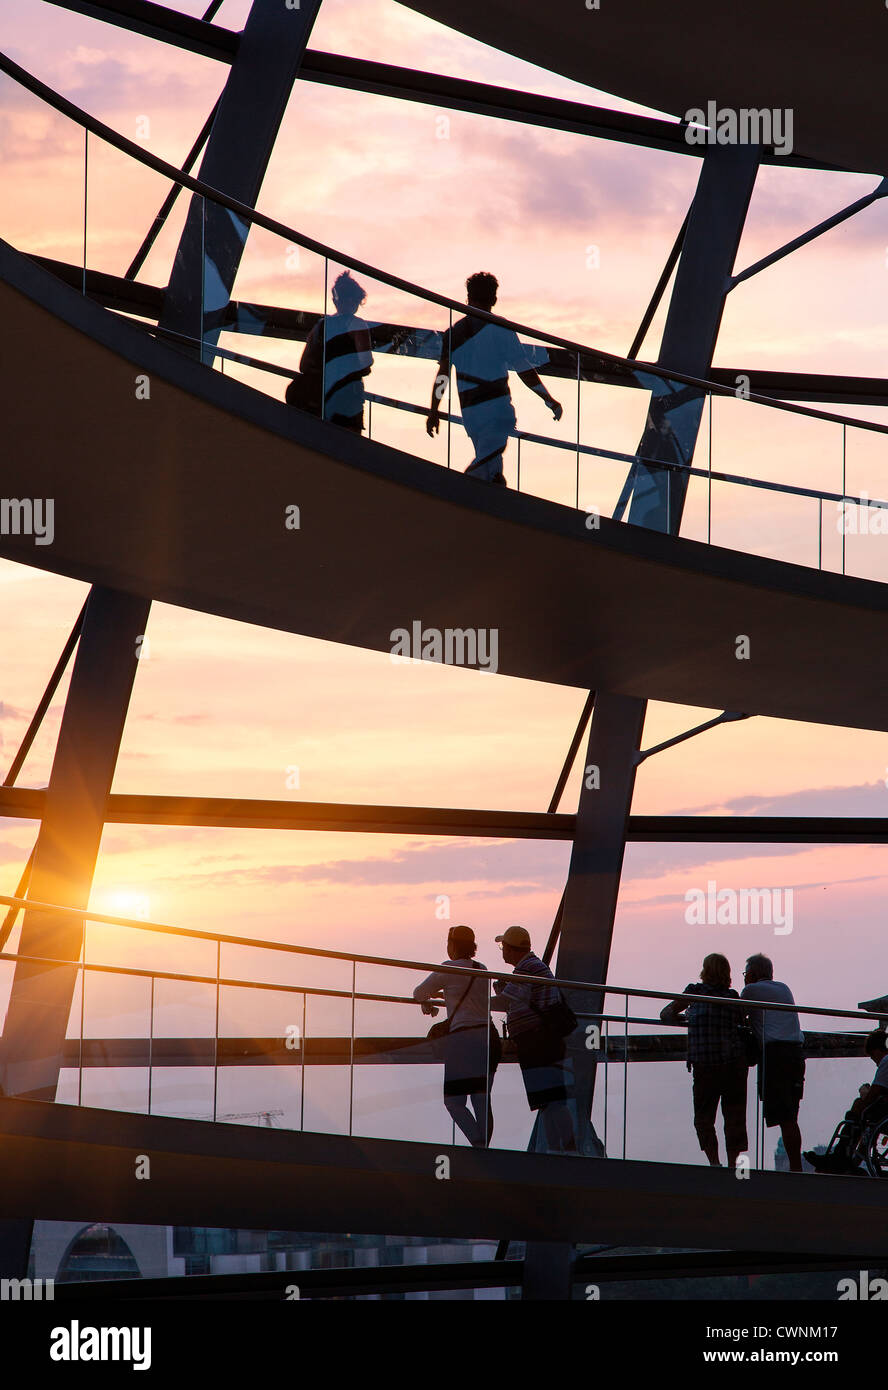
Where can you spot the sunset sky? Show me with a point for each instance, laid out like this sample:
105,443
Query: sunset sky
225,709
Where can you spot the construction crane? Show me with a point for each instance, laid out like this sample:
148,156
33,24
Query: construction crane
266,1117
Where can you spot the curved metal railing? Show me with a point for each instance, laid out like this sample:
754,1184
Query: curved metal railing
356,1049
671,390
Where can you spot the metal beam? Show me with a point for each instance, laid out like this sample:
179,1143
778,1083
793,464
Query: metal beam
709,248
582,724
760,830
231,813
45,701
408,84
247,121
28,803
141,1053
659,289
729,717
501,103
593,879
160,22
255,1178
826,226
169,201
73,819
715,224
12,913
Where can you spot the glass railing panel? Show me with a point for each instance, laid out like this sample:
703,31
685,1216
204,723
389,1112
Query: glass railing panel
70,1083
862,530
764,445
276,302
541,469
772,524
184,1010
831,1087
802,450
397,1087
612,420
115,1023
268,1026
328,1073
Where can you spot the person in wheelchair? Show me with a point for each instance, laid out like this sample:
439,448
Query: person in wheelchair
845,1151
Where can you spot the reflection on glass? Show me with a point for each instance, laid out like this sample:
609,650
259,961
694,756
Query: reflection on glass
483,354
336,359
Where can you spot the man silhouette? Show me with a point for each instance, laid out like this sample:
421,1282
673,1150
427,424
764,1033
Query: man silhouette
781,1073
483,354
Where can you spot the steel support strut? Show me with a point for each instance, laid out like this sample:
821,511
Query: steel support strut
68,843
714,227
248,117
247,120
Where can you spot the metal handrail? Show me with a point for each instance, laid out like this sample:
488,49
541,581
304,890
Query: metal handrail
252,215
549,441
224,938
313,990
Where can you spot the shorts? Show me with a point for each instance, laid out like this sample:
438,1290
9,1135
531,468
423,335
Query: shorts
781,1082
541,1058
469,1062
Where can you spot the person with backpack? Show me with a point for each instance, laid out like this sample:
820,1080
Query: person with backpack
717,1058
337,356
471,1043
538,1019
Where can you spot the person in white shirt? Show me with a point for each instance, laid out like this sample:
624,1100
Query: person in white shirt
781,1073
483,354
471,1046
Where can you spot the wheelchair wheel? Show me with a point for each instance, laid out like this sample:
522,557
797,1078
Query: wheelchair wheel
877,1151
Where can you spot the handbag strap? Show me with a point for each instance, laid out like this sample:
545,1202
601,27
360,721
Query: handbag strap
462,998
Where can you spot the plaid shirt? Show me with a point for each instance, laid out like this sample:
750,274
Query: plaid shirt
522,1018
714,1033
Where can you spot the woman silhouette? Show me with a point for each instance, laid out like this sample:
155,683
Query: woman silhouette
336,358
471,1046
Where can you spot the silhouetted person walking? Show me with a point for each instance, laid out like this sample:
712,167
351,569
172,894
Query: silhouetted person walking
336,358
781,1074
471,1048
540,1051
716,1059
483,354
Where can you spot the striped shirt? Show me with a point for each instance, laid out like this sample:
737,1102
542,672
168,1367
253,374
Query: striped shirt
525,1002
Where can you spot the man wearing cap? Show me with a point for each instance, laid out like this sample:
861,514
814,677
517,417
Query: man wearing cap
540,1052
